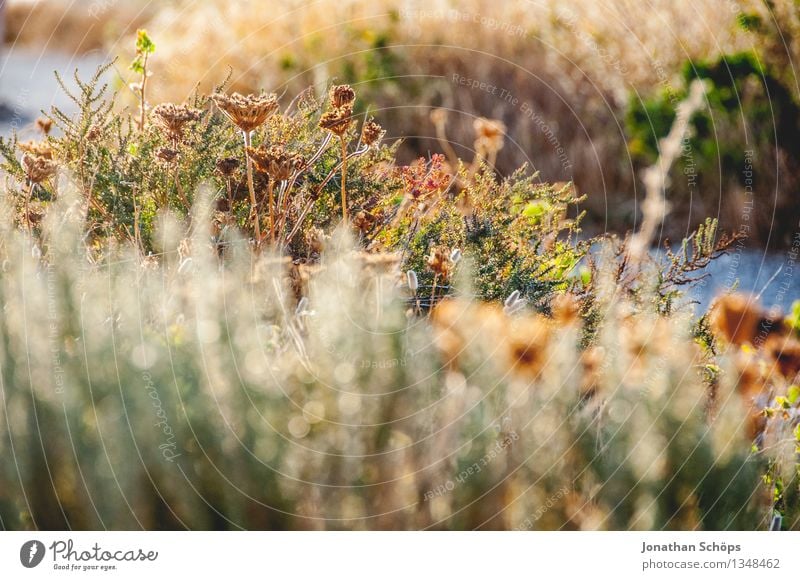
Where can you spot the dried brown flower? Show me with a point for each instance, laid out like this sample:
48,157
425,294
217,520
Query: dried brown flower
527,346
227,165
439,262
166,154
44,124
94,132
372,133
342,96
248,112
173,118
363,221
37,149
38,169
337,120
737,318
275,161
784,351
489,134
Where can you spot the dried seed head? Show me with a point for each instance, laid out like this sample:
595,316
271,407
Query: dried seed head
489,134
439,262
342,96
44,125
248,112
173,118
227,165
38,169
166,154
275,161
37,149
363,221
337,121
94,132
372,133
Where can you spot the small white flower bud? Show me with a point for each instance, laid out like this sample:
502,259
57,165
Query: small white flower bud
413,282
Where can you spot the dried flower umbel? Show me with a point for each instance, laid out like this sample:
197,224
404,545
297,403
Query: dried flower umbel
37,149
280,165
248,113
38,169
342,96
372,133
337,120
173,119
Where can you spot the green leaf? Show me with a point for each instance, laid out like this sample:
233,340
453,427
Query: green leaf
144,45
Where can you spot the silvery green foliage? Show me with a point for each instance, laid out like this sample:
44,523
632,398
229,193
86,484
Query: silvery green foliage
191,389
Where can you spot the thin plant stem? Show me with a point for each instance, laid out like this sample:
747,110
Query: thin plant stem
142,102
251,187
270,198
433,292
344,178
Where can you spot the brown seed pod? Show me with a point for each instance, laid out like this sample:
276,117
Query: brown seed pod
248,112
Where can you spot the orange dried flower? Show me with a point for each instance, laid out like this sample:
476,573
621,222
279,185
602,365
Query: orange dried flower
527,343
737,318
489,134
439,262
566,309
44,124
